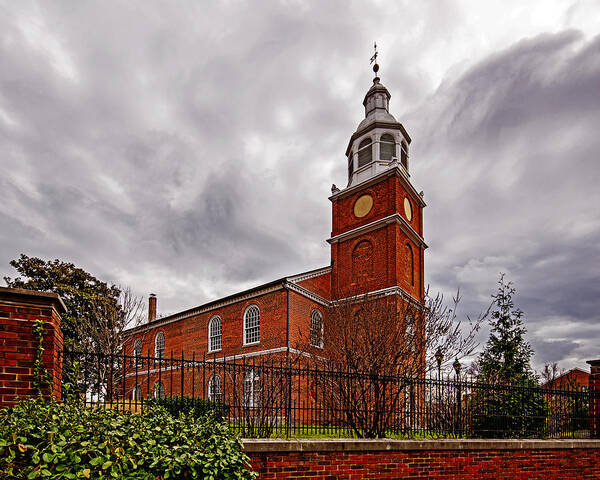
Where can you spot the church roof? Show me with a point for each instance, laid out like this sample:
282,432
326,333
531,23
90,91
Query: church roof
233,298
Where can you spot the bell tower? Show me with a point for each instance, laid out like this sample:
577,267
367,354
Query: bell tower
377,240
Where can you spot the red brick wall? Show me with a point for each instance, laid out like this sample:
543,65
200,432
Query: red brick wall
567,463
301,309
19,309
320,285
190,335
388,198
390,260
594,385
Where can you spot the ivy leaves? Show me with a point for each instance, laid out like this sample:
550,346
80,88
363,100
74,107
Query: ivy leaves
42,439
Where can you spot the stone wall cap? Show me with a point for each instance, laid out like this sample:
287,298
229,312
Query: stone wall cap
32,296
358,445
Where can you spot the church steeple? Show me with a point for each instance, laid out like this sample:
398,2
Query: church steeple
380,141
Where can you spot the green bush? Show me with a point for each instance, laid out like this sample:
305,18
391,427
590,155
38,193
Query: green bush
43,439
197,407
508,413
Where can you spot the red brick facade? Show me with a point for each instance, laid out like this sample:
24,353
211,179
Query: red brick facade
377,248
389,255
386,255
594,385
19,309
381,250
466,460
574,379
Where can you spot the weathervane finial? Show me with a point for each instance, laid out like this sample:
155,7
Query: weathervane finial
374,59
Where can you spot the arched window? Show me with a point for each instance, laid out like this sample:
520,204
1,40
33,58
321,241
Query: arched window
137,353
251,389
215,331
365,152
316,329
387,147
159,390
350,165
137,393
410,274
252,325
404,154
159,346
215,388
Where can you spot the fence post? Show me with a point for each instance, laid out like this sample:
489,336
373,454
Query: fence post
19,310
594,398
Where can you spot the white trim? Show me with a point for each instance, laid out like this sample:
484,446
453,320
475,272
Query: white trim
160,332
377,224
308,275
397,170
188,364
395,290
312,313
211,350
244,325
308,294
211,383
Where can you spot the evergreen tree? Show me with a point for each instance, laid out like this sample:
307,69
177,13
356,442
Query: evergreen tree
500,410
507,355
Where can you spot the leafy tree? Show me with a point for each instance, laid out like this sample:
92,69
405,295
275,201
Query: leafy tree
96,313
508,405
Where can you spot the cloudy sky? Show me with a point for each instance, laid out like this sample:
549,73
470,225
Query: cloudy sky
189,149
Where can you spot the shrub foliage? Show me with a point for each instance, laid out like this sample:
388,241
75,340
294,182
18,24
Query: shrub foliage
43,439
196,407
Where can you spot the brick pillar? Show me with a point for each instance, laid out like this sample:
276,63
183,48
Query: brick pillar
594,398
19,309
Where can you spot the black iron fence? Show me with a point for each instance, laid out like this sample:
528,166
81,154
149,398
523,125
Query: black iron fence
278,397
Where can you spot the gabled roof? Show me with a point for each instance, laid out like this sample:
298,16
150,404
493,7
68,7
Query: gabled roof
234,298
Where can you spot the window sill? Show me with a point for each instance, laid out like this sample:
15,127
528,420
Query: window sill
250,344
214,351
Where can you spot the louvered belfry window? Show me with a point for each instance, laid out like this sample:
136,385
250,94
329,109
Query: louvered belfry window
387,147
365,152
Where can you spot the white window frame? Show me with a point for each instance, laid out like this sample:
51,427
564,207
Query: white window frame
251,392
215,383
214,336
246,312
363,148
313,318
404,154
156,355
136,361
136,394
393,142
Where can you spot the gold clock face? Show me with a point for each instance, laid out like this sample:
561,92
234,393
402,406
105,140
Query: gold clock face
407,209
363,205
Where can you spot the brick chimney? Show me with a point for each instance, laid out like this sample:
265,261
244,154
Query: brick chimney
151,308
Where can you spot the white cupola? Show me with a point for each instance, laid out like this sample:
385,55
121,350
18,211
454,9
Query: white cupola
380,141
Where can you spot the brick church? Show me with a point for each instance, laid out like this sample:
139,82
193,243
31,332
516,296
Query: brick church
377,247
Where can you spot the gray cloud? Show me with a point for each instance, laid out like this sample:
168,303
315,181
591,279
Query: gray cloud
510,146
190,151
